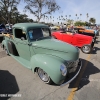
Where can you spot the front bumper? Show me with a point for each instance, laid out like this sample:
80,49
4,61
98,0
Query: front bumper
74,74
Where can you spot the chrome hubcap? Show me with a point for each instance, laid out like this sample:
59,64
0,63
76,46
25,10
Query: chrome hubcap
86,49
44,76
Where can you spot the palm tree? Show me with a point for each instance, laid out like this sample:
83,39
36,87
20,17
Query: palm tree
53,21
87,16
50,19
57,19
92,20
80,16
47,18
69,16
76,16
44,18
66,16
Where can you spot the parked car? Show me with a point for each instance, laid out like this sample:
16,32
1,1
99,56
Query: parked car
8,27
54,28
95,30
85,42
32,45
2,28
82,30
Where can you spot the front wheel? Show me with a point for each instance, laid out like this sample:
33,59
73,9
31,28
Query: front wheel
86,49
44,76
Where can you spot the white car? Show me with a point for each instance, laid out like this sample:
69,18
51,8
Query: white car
54,27
1,29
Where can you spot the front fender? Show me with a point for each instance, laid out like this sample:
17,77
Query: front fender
50,64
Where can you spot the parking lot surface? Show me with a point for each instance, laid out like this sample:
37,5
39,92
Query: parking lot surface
20,83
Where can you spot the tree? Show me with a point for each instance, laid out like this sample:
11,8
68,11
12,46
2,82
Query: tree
36,7
7,7
87,16
69,16
69,21
50,19
80,16
79,23
16,18
92,20
76,16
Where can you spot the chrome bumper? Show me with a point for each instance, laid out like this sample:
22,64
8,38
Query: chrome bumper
80,66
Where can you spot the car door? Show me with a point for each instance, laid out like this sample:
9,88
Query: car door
22,44
78,40
67,38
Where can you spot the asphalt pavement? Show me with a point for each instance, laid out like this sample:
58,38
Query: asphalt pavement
20,83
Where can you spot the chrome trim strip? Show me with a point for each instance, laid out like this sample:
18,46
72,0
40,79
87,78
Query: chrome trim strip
73,77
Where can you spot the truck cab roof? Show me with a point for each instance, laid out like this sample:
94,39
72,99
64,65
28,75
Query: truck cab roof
29,25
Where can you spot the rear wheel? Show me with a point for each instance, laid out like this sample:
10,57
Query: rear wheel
86,49
44,76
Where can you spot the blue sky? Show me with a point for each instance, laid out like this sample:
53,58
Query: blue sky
73,7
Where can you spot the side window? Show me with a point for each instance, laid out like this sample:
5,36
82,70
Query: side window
19,34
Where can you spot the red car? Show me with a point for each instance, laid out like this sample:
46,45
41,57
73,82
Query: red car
85,42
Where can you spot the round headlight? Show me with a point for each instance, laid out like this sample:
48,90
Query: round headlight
63,70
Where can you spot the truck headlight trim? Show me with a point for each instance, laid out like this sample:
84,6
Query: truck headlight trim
63,70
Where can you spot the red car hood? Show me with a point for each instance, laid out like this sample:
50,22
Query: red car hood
76,35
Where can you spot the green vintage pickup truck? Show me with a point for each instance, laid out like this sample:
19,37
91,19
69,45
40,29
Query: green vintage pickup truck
31,44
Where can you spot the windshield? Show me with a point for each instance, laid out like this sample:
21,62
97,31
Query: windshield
38,33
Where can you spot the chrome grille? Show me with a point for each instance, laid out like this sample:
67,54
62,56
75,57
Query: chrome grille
72,63
72,66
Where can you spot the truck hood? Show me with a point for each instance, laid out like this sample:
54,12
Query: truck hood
56,48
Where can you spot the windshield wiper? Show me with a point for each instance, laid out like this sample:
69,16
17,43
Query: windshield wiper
39,38
42,38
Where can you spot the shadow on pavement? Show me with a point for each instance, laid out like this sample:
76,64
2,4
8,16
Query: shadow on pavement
8,84
83,79
95,49
97,42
